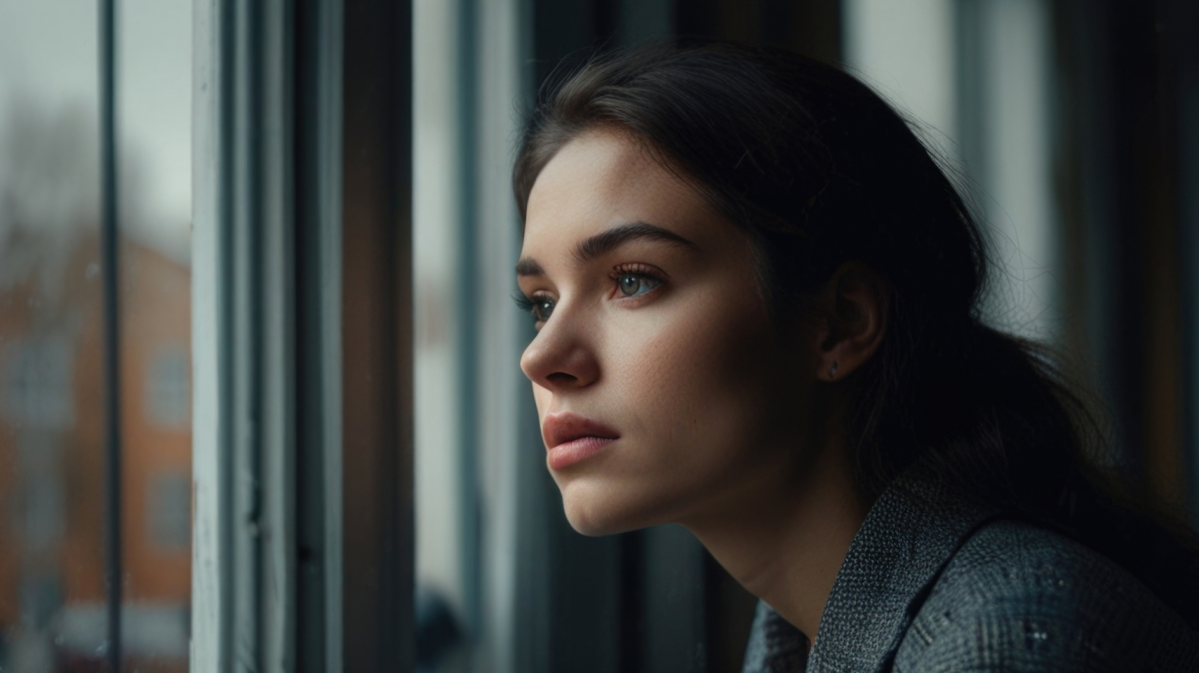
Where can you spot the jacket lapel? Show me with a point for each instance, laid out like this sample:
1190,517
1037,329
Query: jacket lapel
908,536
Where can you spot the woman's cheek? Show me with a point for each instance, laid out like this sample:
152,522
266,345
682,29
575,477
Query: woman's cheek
695,382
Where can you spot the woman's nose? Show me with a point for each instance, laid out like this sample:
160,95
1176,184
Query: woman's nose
561,357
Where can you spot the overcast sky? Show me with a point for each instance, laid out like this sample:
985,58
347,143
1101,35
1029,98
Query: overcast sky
48,52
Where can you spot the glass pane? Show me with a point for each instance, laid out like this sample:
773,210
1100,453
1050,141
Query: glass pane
51,375
52,488
154,136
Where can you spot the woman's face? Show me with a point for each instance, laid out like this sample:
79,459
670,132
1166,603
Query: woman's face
665,392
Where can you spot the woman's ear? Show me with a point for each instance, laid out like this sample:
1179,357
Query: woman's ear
854,311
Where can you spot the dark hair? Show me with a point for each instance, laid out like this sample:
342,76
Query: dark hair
819,171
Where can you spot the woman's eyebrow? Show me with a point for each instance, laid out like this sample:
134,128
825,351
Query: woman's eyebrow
607,242
617,236
529,267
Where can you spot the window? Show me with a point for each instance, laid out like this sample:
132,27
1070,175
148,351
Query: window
70,523
168,509
168,387
37,380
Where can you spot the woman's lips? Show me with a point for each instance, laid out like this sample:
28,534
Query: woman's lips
571,438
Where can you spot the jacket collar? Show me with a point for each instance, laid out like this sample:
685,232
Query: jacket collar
909,534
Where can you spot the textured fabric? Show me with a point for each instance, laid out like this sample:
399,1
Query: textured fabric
931,584
774,645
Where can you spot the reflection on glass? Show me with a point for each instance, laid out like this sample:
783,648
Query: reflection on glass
52,487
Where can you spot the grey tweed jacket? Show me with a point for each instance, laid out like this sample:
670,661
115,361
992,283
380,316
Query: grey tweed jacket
934,584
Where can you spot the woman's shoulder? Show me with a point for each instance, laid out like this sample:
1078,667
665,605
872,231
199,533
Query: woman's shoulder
1018,597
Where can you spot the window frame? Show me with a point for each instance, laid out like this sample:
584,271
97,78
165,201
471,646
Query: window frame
302,417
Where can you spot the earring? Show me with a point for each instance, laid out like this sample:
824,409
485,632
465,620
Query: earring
832,371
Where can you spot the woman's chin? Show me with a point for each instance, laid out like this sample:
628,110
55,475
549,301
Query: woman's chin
594,519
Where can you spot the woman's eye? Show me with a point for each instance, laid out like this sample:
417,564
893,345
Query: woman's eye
539,306
632,284
542,308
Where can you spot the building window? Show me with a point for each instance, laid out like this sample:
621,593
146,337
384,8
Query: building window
37,382
169,511
168,387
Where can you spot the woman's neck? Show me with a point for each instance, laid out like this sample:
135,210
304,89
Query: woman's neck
786,538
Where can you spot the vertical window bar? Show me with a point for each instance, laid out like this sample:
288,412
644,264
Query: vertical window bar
112,346
276,167
318,467
468,473
225,290
246,310
213,337
246,552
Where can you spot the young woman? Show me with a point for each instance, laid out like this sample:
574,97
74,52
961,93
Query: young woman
756,297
